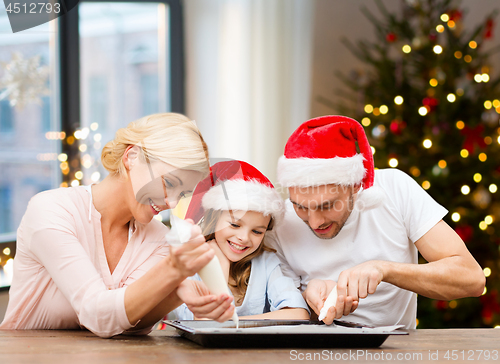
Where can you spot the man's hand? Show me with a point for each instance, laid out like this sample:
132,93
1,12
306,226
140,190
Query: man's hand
190,257
316,293
361,280
203,304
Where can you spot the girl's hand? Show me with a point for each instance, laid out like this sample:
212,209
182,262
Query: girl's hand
203,304
224,262
190,257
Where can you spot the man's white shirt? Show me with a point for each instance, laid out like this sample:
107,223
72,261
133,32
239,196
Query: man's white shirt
386,232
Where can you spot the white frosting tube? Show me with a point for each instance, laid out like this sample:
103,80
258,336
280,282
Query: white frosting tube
211,274
330,301
213,277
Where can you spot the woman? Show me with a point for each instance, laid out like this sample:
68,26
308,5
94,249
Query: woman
93,256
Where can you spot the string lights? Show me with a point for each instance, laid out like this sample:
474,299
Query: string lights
440,121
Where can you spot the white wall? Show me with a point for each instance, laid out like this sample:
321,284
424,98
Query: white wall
248,66
335,19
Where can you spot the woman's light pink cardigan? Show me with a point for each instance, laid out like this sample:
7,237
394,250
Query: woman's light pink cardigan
61,276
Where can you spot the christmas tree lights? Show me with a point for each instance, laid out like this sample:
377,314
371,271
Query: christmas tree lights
430,103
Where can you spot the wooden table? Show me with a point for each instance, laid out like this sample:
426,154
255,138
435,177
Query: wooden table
421,346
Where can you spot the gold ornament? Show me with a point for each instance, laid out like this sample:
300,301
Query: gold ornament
481,197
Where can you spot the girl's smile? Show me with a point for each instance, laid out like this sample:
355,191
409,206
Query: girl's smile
237,248
240,233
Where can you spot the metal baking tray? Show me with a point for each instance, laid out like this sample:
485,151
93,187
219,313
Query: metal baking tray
271,333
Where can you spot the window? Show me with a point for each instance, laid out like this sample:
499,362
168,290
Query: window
125,72
45,114
6,122
5,207
27,151
149,88
109,63
98,103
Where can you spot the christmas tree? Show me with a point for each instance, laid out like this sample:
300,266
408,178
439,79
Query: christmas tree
431,108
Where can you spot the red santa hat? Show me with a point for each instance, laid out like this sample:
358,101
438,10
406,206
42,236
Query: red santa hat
236,185
323,151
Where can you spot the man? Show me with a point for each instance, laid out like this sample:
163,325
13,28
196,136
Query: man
360,229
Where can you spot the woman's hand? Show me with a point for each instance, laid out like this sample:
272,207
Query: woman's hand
190,257
203,304
224,262
150,297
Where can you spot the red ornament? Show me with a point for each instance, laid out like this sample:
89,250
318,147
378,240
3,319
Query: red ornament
473,137
397,126
490,305
441,305
455,15
432,37
391,37
487,315
465,232
488,29
430,103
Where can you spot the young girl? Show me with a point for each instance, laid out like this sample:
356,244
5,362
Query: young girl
238,205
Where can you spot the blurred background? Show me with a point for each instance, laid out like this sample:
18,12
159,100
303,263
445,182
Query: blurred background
420,75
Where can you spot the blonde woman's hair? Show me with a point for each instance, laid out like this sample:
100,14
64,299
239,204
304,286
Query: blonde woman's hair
169,137
240,270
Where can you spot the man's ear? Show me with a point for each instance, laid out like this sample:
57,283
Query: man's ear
356,188
131,156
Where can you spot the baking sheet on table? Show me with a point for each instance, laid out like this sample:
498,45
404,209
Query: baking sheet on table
281,333
297,329
279,327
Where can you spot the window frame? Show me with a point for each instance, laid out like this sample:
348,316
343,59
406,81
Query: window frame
67,73
6,133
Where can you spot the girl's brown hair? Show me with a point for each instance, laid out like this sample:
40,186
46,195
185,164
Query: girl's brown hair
240,270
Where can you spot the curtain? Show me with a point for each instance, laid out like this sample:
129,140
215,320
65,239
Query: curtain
248,75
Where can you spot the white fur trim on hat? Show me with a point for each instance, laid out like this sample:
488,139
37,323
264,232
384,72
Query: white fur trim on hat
308,172
370,198
245,196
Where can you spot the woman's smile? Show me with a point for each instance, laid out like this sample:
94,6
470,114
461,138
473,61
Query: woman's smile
155,208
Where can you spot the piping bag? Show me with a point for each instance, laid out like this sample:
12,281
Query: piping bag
211,274
330,301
